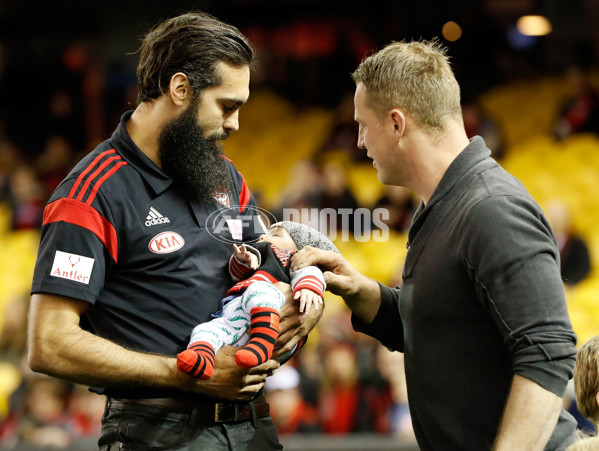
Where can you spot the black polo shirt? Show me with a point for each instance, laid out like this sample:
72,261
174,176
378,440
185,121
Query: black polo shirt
119,234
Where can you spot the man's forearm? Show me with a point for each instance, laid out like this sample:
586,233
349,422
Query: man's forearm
361,294
99,362
366,300
72,353
59,347
529,418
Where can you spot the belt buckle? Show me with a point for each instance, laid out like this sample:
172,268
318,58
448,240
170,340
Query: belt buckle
219,406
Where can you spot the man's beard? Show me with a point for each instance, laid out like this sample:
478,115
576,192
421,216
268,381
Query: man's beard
195,163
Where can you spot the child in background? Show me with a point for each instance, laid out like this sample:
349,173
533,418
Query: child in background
586,388
586,380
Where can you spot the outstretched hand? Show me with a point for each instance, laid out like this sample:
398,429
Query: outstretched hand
341,277
360,293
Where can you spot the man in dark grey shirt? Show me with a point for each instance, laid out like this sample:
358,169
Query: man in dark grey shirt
481,314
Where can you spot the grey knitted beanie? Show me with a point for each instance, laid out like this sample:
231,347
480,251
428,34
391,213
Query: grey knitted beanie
304,235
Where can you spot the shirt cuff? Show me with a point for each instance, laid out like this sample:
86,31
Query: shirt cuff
386,326
553,372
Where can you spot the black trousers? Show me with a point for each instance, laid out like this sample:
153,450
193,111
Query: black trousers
138,427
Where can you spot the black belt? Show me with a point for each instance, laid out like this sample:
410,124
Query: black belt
202,411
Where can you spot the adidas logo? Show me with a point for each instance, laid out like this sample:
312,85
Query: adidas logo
155,218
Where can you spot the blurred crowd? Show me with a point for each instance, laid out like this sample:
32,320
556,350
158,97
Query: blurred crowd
341,382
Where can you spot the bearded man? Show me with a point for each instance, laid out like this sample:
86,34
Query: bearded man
127,266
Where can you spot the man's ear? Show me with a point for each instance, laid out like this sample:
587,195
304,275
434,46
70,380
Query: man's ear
179,89
398,119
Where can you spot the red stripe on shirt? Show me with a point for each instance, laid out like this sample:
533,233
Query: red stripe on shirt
83,215
92,196
95,174
89,168
245,194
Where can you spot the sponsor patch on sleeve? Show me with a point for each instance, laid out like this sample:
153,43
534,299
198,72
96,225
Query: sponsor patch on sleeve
72,266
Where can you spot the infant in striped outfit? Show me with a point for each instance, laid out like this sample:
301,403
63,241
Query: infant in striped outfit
249,315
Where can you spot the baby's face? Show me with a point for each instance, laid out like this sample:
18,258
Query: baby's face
280,238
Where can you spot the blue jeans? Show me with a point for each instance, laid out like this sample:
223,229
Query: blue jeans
136,427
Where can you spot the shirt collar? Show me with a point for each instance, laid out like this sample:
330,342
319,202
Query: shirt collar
151,173
473,153
467,160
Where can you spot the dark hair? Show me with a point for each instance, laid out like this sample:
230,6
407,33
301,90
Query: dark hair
192,43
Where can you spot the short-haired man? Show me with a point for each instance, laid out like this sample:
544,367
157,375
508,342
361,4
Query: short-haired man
481,313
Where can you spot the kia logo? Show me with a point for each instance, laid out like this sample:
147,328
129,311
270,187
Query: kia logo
230,226
166,242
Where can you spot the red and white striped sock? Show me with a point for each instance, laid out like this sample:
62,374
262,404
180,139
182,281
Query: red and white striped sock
197,360
263,334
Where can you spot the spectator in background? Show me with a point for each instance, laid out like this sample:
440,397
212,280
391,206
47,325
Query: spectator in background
342,401
586,389
13,333
84,413
55,162
290,413
335,194
580,111
50,413
478,123
64,112
393,411
44,421
309,366
26,198
585,427
574,254
344,133
10,160
301,190
401,205
586,380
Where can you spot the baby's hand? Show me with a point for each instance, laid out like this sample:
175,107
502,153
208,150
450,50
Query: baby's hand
246,257
307,298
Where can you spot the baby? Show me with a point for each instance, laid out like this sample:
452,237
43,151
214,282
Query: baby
254,302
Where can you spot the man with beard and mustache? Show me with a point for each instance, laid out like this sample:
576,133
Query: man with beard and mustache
127,266
196,162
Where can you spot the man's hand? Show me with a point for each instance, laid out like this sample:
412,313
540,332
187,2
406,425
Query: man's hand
230,381
294,325
59,347
341,277
361,294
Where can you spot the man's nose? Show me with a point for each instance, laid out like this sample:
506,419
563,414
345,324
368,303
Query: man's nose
361,144
232,122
